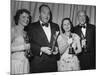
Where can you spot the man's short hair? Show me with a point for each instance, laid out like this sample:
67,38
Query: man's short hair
81,11
44,5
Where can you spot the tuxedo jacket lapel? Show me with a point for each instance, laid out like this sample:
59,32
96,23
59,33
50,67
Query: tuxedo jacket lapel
87,31
80,31
42,34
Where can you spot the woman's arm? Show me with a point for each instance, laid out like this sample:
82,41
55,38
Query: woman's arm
62,45
78,45
15,46
12,34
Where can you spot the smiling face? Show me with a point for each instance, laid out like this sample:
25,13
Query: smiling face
82,17
66,25
24,19
45,14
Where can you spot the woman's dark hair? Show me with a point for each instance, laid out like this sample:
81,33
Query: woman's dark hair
63,31
19,12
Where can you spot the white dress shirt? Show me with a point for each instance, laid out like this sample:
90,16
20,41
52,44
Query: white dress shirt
84,30
47,31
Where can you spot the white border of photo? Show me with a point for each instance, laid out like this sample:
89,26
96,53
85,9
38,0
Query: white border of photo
5,36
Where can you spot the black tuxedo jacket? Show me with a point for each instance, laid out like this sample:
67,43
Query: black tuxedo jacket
90,36
38,39
89,57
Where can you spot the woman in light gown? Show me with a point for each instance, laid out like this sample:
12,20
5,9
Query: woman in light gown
19,45
69,47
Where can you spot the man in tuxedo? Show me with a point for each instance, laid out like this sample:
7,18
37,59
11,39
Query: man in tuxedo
86,32
41,37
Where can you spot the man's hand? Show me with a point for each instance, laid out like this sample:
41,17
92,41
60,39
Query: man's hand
46,50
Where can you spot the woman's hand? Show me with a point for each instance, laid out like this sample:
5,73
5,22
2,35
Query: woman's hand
55,51
27,46
83,42
70,41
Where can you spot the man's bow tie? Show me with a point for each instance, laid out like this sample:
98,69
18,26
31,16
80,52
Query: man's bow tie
83,26
46,24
